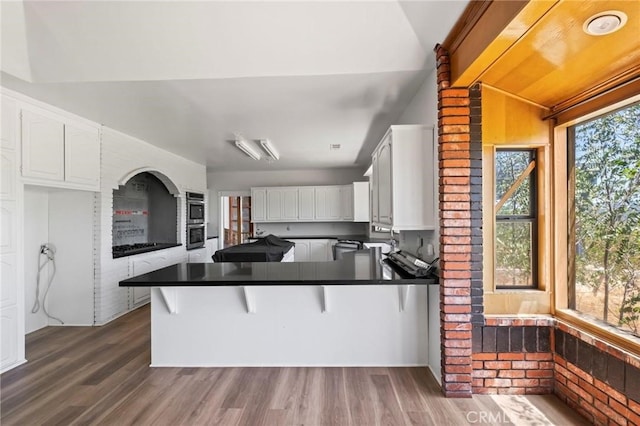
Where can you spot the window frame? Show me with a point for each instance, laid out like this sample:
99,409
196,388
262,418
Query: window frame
562,236
532,218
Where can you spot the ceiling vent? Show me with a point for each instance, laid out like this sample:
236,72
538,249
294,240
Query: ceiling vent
334,146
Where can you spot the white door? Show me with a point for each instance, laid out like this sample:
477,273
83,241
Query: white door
306,203
82,155
42,146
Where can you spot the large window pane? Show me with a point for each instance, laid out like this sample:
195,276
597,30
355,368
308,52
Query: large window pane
513,254
606,240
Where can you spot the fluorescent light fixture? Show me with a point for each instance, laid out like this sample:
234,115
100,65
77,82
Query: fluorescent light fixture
269,149
242,145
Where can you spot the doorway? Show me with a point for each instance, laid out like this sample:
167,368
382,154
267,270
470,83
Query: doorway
236,219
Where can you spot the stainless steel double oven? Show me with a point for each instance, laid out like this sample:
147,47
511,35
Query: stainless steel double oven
195,220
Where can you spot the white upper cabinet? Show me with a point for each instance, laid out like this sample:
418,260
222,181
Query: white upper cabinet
375,216
58,152
385,208
306,203
42,146
328,203
282,204
404,178
290,203
361,202
82,155
346,192
258,204
9,120
274,204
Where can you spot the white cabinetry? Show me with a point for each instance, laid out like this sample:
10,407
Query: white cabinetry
56,152
312,250
361,202
211,246
142,264
258,205
346,202
328,203
403,180
82,155
42,146
306,203
282,204
197,255
12,316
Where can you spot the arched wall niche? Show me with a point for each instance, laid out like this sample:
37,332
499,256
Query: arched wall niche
145,209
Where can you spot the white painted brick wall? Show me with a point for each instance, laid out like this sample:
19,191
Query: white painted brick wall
122,155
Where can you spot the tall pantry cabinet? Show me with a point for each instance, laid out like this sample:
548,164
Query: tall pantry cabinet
11,291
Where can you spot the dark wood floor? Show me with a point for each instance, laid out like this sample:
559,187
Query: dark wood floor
101,375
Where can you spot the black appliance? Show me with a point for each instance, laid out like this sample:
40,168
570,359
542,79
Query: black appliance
195,208
343,246
410,265
195,235
129,249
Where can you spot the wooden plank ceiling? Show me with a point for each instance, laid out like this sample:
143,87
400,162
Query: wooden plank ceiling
544,56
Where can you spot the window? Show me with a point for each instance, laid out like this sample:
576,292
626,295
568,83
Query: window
515,219
604,218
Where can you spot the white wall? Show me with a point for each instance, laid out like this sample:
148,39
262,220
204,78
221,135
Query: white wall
62,219
243,181
36,233
71,234
423,108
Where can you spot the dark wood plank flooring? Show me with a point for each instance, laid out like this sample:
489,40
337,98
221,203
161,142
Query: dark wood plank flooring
101,375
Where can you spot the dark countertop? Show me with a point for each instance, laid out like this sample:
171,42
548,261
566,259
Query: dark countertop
210,237
363,267
355,237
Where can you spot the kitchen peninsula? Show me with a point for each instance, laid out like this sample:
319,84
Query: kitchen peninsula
356,311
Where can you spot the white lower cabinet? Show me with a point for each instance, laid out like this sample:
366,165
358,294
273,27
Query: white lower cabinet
313,250
211,246
8,336
197,255
142,265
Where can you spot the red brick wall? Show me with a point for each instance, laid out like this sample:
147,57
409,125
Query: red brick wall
508,355
598,380
454,136
513,356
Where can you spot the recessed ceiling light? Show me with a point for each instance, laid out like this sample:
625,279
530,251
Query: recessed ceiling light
605,22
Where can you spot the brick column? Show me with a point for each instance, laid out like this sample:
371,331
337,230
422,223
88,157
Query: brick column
460,166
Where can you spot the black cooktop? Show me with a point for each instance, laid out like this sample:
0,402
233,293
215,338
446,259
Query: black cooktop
129,249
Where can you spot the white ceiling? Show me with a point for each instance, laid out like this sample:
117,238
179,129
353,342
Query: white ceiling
186,76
